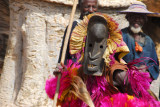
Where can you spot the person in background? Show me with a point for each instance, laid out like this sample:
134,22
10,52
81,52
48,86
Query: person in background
140,44
86,7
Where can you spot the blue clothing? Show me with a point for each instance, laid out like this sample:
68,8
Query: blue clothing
148,51
68,56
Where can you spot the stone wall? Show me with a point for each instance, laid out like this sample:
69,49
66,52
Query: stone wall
36,31
102,3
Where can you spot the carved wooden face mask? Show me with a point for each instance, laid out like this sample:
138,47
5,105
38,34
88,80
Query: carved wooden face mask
96,42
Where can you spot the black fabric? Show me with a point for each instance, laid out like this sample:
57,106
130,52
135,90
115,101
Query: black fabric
68,56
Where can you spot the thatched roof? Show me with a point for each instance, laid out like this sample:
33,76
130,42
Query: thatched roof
153,5
4,18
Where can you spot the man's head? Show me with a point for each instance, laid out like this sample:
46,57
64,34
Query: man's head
88,6
136,21
136,14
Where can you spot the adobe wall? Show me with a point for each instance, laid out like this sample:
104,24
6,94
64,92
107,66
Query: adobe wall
36,32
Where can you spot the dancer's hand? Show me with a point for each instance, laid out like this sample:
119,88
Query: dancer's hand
59,68
142,68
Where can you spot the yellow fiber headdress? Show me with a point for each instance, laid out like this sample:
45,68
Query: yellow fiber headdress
115,43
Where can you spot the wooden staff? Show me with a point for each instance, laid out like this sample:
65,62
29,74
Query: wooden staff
64,50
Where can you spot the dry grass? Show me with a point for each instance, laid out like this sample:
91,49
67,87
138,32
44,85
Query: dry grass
4,17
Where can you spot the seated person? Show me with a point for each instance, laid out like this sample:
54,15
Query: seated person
140,44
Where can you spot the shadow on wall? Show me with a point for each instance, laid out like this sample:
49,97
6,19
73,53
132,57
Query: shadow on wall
4,17
4,29
152,28
3,47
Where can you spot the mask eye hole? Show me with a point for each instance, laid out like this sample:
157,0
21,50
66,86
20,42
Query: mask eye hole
101,46
90,45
